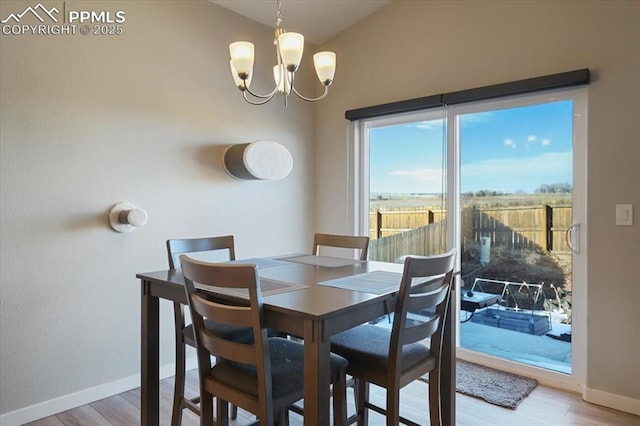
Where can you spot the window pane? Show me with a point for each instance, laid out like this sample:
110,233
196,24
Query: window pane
406,187
516,199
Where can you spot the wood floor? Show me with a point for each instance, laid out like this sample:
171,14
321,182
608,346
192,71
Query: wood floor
544,407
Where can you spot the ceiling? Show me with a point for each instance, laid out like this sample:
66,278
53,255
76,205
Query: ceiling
317,20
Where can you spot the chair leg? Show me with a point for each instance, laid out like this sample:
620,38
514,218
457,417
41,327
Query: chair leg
282,418
178,388
222,411
393,407
234,412
340,400
361,397
206,409
435,418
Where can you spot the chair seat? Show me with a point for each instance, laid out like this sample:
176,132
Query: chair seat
287,370
368,346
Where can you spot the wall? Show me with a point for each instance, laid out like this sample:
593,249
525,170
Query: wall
411,49
89,121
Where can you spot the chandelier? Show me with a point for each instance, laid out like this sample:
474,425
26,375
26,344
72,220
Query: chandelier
289,48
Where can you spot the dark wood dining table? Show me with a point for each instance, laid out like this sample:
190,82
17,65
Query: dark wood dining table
310,310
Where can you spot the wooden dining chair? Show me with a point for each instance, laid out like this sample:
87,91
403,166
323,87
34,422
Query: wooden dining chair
184,335
264,376
394,358
360,243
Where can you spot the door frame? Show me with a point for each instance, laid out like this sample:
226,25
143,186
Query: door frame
359,177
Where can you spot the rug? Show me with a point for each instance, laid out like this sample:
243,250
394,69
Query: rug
494,386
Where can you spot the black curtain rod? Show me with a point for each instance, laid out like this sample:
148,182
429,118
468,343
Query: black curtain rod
535,84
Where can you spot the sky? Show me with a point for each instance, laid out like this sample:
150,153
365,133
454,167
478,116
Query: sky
508,150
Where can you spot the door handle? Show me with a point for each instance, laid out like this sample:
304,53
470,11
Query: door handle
572,237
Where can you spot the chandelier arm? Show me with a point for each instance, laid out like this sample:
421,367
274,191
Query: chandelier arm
252,102
257,95
326,91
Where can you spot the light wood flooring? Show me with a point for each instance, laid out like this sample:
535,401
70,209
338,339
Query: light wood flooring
543,407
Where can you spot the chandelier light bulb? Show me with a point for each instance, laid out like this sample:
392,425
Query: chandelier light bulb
242,55
291,46
325,64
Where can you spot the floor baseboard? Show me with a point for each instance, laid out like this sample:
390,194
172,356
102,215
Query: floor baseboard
85,396
617,402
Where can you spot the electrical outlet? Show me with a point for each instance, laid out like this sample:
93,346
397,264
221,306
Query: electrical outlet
624,214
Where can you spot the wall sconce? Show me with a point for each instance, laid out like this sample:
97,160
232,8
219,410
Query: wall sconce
125,217
263,160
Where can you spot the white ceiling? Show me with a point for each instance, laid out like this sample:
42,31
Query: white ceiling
317,20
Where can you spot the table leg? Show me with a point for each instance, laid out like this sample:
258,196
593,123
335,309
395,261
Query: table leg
448,364
316,375
150,358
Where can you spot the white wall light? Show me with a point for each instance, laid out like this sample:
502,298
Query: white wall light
263,160
125,217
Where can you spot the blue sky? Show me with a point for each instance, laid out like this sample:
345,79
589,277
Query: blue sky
508,150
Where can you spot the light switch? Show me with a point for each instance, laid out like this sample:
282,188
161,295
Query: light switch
624,214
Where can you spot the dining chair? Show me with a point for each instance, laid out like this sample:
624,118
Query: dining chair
394,358
184,335
341,241
264,376
360,243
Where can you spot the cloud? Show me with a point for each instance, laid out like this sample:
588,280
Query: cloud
425,180
545,142
431,175
477,117
427,125
510,142
532,138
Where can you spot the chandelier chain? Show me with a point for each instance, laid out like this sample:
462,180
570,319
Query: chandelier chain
279,14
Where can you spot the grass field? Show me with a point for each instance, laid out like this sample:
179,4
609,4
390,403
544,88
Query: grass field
436,202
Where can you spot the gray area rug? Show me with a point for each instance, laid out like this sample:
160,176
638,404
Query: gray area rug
494,386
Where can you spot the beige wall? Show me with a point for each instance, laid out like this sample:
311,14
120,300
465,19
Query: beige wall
89,121
418,48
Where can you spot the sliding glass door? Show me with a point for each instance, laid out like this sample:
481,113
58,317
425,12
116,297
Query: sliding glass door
517,204
504,182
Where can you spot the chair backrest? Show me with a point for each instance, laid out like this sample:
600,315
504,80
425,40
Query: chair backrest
341,241
227,312
422,302
176,247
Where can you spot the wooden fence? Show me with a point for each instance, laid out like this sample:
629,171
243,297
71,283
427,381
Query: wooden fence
423,241
422,231
540,227
383,223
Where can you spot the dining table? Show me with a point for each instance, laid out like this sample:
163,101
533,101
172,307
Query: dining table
310,297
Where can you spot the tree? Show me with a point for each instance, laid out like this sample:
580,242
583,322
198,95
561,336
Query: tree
555,188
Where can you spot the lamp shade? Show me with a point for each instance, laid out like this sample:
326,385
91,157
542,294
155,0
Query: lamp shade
325,64
291,46
242,55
